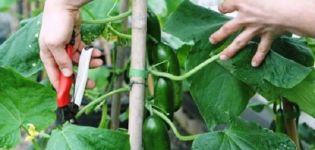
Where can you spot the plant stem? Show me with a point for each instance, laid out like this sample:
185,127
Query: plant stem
36,146
170,123
187,74
100,99
109,19
291,123
138,49
119,63
103,123
119,34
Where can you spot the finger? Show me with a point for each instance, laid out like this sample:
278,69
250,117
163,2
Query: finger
95,54
51,67
227,6
239,42
62,60
226,30
90,84
96,63
262,50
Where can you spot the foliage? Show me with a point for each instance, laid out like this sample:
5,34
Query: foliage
23,102
221,89
72,137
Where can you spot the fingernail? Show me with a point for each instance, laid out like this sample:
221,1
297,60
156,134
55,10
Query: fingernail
224,57
254,64
66,72
211,40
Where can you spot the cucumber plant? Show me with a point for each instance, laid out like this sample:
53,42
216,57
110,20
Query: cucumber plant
178,51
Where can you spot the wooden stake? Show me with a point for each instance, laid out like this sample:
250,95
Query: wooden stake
120,61
138,48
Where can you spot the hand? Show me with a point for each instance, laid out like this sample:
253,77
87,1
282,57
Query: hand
257,18
60,19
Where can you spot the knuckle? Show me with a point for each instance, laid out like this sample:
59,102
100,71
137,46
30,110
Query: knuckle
53,43
239,43
263,50
226,29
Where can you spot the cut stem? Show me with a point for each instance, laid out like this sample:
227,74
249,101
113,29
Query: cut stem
109,19
174,129
187,74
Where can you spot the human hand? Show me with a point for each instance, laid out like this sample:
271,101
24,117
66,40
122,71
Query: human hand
60,19
256,18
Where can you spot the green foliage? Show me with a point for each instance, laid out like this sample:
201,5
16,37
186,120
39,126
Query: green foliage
163,8
97,9
23,102
303,94
89,32
5,5
307,134
21,51
280,69
221,90
243,136
219,96
72,137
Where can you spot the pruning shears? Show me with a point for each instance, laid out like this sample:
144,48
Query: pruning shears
67,106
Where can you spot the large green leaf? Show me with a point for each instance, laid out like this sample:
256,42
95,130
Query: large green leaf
194,23
22,102
303,94
243,136
100,9
217,88
217,93
163,8
72,137
294,49
277,70
21,51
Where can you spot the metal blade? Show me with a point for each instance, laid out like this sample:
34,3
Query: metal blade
82,75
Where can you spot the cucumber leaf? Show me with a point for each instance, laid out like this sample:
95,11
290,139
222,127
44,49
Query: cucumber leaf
243,136
21,51
72,137
218,94
281,70
23,102
195,23
303,94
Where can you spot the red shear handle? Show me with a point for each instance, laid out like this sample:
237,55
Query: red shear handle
65,83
